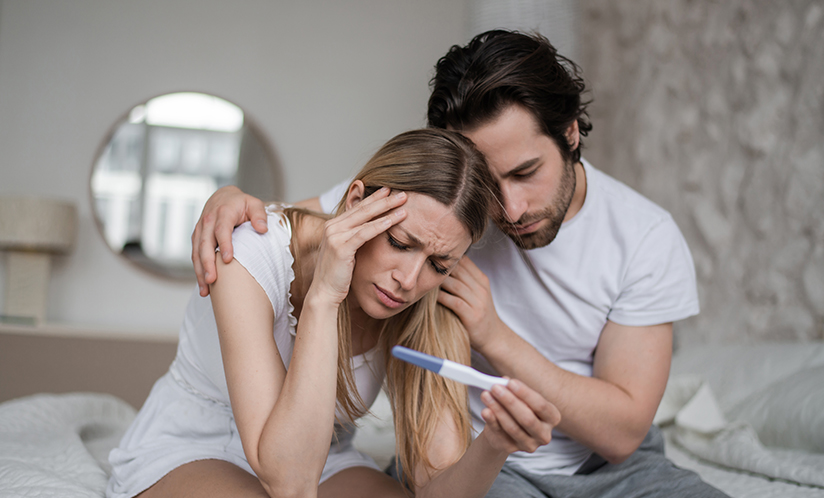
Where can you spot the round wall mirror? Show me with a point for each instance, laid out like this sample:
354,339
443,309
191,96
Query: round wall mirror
158,167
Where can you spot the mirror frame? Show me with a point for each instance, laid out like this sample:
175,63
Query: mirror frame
146,264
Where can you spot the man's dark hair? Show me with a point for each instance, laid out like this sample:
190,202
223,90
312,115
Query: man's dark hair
474,84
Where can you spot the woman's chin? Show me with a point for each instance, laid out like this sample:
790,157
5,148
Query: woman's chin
380,312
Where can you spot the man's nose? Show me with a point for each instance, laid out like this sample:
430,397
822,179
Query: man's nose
514,204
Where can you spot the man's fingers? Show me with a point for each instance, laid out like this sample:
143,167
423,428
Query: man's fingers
223,240
457,287
545,410
227,208
467,272
207,260
201,281
509,424
523,413
470,266
256,212
203,256
454,303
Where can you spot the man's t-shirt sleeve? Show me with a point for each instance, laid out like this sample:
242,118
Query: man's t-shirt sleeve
659,283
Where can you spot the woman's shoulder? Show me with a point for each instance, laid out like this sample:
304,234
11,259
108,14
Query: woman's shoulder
278,235
267,256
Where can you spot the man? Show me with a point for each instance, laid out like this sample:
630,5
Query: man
573,293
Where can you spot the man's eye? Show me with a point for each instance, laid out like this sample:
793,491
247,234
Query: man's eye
394,243
527,174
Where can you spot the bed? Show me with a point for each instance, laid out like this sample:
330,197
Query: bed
749,419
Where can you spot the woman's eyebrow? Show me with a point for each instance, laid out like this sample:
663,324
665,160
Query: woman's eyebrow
415,241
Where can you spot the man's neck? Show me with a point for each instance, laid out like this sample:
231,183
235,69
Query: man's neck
580,194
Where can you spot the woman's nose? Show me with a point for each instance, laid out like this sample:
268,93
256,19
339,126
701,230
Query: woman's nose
407,273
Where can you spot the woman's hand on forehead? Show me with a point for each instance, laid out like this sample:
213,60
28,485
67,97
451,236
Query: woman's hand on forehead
345,234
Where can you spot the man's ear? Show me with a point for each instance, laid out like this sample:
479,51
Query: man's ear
355,194
573,136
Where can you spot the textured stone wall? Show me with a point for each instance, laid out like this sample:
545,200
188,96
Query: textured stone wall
715,110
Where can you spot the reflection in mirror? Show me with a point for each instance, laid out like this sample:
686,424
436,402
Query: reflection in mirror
161,164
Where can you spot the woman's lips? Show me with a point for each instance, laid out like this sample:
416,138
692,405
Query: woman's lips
388,299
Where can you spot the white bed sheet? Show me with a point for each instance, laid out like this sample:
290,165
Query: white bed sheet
749,418
58,445
737,484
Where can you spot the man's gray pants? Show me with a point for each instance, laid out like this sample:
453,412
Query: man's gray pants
646,473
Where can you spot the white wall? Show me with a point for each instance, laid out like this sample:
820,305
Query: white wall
327,81
714,110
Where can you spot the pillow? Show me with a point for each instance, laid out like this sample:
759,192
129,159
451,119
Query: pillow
788,413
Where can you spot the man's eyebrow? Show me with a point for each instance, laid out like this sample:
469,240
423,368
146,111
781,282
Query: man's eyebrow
521,167
414,240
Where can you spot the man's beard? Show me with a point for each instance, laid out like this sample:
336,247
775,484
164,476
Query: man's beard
555,214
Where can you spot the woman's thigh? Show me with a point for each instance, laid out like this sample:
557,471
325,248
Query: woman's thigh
360,482
206,478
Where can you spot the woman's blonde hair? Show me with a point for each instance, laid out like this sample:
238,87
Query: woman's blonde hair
446,166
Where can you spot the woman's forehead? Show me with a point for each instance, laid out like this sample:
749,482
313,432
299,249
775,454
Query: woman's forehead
434,226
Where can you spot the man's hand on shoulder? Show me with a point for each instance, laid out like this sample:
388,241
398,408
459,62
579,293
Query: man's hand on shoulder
227,208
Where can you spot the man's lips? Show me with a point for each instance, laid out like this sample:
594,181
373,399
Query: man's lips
389,299
524,229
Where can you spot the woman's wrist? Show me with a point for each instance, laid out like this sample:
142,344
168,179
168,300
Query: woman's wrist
319,300
486,447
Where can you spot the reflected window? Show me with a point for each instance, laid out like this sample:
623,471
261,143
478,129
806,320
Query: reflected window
159,168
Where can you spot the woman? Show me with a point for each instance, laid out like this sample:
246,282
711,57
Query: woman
294,346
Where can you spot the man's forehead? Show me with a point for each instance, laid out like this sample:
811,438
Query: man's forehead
510,139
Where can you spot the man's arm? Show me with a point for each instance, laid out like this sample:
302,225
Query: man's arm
611,411
227,208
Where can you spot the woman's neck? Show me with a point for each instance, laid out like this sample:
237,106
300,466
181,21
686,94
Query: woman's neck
365,330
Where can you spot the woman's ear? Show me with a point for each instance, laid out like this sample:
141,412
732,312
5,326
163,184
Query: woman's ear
355,194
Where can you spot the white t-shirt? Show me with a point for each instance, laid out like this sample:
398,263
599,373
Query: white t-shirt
620,258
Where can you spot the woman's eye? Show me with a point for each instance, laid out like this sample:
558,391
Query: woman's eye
394,243
441,270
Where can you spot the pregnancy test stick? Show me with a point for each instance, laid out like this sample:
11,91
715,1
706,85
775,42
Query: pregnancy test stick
449,369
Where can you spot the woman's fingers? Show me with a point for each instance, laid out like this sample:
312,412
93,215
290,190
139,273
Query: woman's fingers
364,221
345,243
345,234
371,229
368,209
